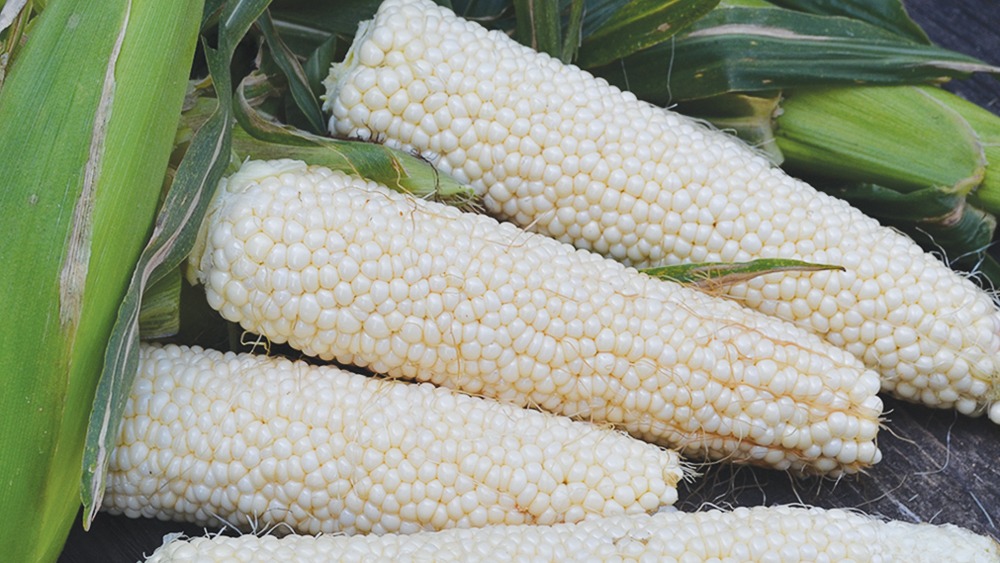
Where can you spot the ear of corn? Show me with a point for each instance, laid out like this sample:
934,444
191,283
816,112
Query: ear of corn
258,442
919,141
342,268
987,127
89,108
903,154
551,148
781,533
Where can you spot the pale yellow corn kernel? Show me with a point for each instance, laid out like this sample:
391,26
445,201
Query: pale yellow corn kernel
551,148
420,290
777,534
261,443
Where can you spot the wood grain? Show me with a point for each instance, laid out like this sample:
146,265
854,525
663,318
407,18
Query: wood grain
971,27
938,466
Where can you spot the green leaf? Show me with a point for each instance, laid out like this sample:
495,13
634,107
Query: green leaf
89,110
539,26
48,362
298,82
574,31
717,275
483,11
171,241
315,21
613,30
210,13
11,11
741,49
14,18
889,15
317,66
159,312
255,90
306,24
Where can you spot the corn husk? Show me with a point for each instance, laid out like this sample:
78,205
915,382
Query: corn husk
905,155
89,106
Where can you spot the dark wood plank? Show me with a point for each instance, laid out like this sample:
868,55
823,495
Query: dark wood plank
970,27
938,467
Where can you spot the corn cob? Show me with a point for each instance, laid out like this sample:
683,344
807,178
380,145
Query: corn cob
781,533
255,441
343,268
550,147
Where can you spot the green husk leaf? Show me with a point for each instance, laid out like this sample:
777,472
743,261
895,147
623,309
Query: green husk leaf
318,65
159,312
14,19
889,15
48,365
898,137
573,35
717,275
171,241
103,84
987,195
987,128
211,13
391,168
305,24
253,92
985,271
480,9
262,138
539,25
939,221
914,157
745,49
11,11
887,204
622,28
298,82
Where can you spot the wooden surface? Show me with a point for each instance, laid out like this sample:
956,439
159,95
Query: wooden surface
938,466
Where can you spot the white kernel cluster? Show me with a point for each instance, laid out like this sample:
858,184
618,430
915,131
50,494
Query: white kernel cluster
775,534
556,150
267,443
342,268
